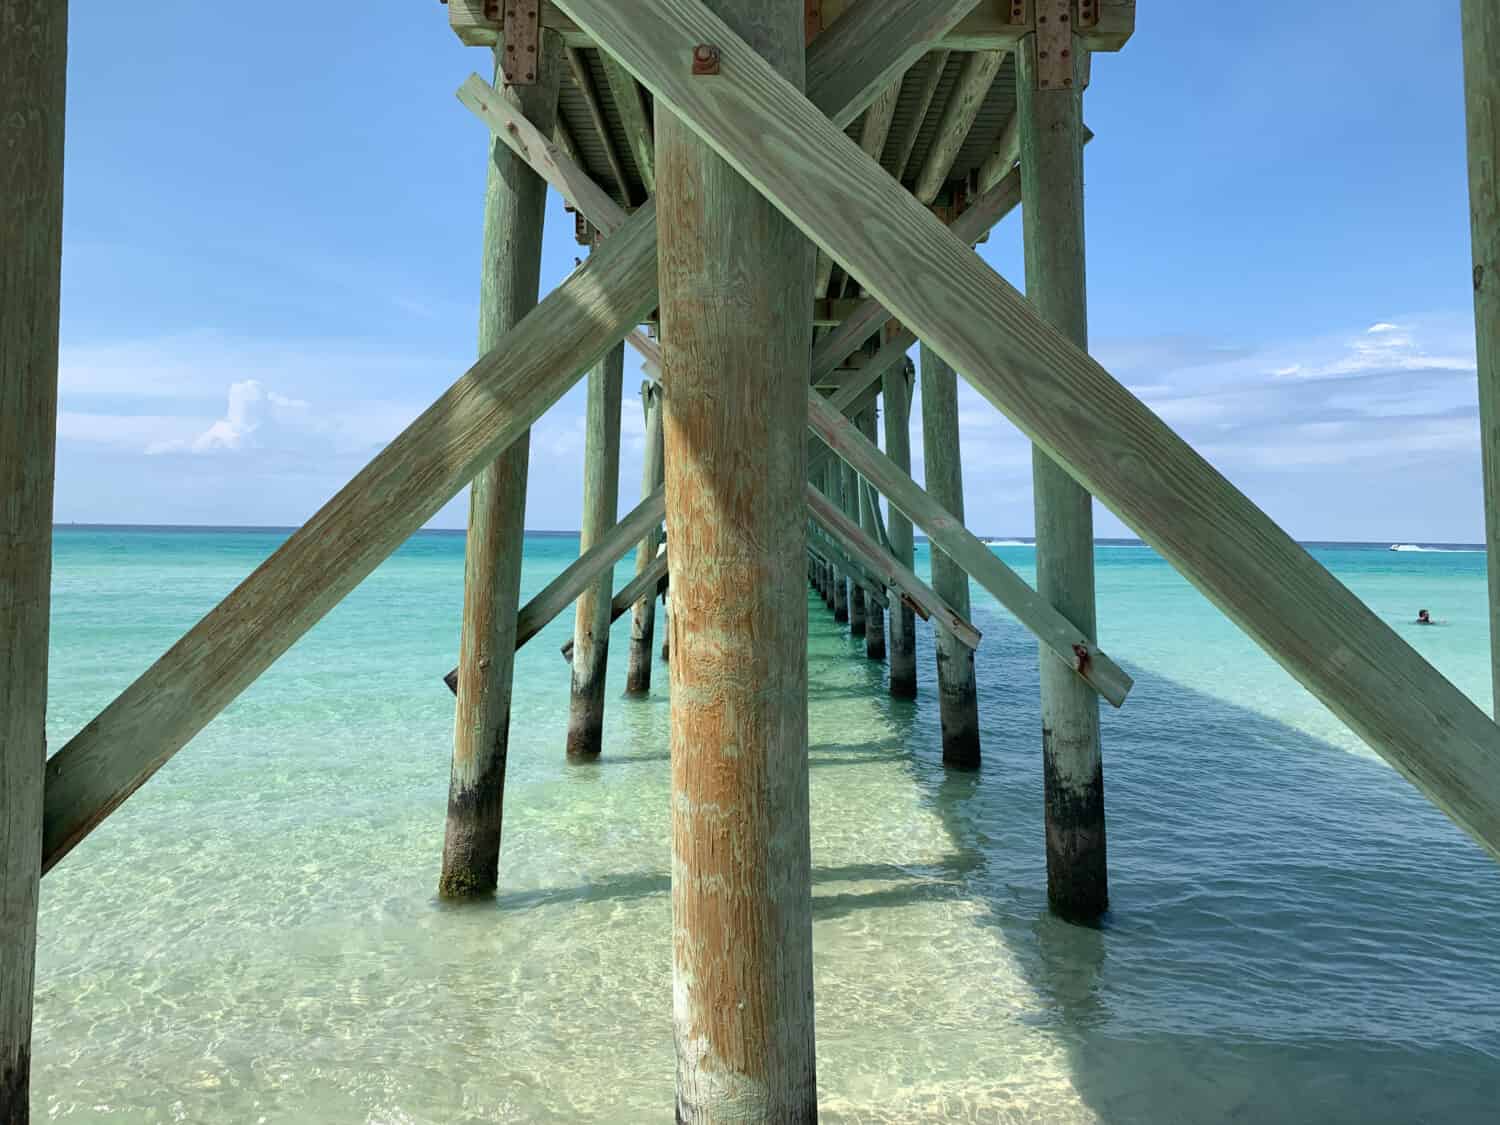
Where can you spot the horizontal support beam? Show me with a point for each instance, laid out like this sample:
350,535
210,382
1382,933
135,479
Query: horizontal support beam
1069,406
867,553
481,415
643,585
581,573
947,532
986,28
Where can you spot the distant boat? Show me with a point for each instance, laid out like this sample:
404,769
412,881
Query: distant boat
1007,543
1408,547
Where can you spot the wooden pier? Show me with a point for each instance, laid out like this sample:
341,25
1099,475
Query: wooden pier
786,194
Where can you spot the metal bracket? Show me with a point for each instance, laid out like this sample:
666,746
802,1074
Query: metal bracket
1053,44
522,33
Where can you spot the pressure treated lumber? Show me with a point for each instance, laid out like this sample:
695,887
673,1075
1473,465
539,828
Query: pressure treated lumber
1481,42
833,487
644,585
1072,762
1063,400
1070,646
902,645
975,77
849,504
515,205
643,615
868,521
942,468
476,419
933,67
33,68
601,499
890,573
830,552
635,118
583,82
736,281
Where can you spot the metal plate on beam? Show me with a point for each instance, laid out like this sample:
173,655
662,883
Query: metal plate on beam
522,32
1053,44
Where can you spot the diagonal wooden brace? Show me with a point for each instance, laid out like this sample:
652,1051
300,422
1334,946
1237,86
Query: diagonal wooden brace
1072,408
643,585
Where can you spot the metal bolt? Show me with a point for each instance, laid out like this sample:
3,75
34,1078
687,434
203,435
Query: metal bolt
705,59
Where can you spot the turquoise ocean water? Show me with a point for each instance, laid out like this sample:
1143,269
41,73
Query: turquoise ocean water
1297,935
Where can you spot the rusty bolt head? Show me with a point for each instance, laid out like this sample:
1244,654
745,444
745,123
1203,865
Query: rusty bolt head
705,59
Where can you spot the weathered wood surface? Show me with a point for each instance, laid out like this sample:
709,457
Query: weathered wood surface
643,586
33,68
515,205
736,279
849,503
932,74
942,469
896,394
476,419
1481,43
601,500
884,568
1072,762
831,553
833,484
1069,405
643,615
635,118
869,522
583,82
975,77
947,532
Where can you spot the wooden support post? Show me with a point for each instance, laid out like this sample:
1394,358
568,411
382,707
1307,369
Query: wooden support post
645,584
833,488
1481,32
514,210
33,69
874,618
643,616
958,695
897,388
1072,765
601,498
736,283
849,503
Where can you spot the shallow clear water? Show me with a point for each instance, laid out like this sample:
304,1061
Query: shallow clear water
1297,935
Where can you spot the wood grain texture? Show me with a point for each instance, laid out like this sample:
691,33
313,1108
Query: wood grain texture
480,416
515,206
601,501
849,505
942,468
1111,443
910,504
927,83
870,524
583,82
643,614
896,388
1481,42
1072,761
33,68
821,544
833,484
736,284
975,77
642,586
880,565
635,117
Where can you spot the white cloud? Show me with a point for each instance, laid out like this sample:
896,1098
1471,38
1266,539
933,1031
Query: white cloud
252,410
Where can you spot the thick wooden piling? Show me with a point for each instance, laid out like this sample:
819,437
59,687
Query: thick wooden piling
833,488
33,66
849,504
1072,766
514,209
601,498
736,283
902,645
958,698
1481,32
643,615
874,617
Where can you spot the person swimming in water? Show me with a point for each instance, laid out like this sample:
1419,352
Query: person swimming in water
1423,618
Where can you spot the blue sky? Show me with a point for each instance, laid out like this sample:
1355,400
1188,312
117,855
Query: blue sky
271,256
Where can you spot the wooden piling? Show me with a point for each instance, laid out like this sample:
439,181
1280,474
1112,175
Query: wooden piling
902,645
1481,34
958,697
849,504
643,615
1072,766
33,67
833,488
514,210
601,498
736,283
874,617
